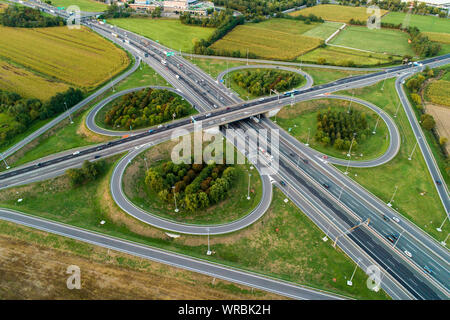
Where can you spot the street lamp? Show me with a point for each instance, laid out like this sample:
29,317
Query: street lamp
351,144
307,140
398,238
248,191
351,100
392,199
342,189
414,149
209,251
396,111
146,165
175,199
376,124
287,194
349,282
444,243
67,109
3,158
440,228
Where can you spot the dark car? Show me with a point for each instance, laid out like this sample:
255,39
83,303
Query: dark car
438,182
96,157
428,269
326,185
283,183
390,238
386,218
305,161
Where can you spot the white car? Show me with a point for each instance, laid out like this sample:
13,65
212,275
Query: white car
76,152
408,253
396,219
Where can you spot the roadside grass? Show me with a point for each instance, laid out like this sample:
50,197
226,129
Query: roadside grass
63,54
33,262
416,197
296,253
143,76
424,23
323,30
28,84
244,93
303,116
344,57
324,75
169,32
279,39
214,67
85,5
389,41
332,12
234,206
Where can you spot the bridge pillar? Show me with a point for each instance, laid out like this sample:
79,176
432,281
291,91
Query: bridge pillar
272,113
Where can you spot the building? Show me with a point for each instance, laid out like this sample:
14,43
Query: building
171,6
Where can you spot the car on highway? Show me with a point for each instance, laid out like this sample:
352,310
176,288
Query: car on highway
283,183
428,269
396,219
261,99
390,238
305,161
75,153
408,253
386,218
96,157
438,182
326,185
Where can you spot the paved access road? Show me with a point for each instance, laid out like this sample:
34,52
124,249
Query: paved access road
433,168
177,260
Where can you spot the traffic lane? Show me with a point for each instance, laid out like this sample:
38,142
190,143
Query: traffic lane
177,260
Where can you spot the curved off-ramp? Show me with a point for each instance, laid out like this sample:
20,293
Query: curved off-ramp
391,152
125,204
90,119
309,79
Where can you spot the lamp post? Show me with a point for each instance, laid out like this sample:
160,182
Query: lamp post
414,149
146,165
351,144
67,109
440,228
392,198
342,189
349,282
351,100
248,190
307,140
175,198
3,158
444,243
209,250
398,238
396,111
376,124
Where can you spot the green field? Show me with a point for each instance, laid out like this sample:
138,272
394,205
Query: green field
323,75
85,5
388,41
344,57
424,23
416,197
169,32
323,30
303,116
334,12
279,39
295,253
234,206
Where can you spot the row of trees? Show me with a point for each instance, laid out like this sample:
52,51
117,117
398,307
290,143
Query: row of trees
195,186
216,19
88,172
25,111
259,82
338,128
24,17
252,9
398,5
145,108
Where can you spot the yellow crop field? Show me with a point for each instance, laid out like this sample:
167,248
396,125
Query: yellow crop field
76,56
28,84
333,12
3,6
438,92
438,37
266,43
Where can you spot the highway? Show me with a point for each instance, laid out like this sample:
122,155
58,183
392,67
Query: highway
399,271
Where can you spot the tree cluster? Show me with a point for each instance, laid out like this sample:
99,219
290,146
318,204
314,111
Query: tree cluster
252,9
338,128
259,82
24,17
88,172
214,20
25,111
114,11
195,186
421,44
145,108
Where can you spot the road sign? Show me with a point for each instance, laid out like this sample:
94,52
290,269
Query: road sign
169,54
